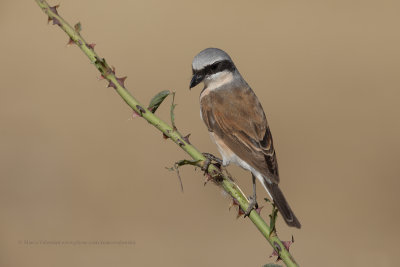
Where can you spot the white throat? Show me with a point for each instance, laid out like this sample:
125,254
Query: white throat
217,80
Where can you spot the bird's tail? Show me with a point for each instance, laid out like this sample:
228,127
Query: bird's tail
282,205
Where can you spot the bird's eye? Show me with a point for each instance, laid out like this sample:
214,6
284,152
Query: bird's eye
215,66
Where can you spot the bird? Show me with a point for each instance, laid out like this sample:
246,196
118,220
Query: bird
238,126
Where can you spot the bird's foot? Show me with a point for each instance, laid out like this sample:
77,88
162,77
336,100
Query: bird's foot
253,205
209,159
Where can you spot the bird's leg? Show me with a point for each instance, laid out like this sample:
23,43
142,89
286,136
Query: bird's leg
209,159
253,199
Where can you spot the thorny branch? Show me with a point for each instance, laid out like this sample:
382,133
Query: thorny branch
281,249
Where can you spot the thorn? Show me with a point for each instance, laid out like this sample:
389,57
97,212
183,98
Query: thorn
141,110
91,46
236,203
233,203
186,138
54,9
70,42
55,20
111,84
121,80
258,210
109,70
240,213
135,115
166,136
180,142
286,244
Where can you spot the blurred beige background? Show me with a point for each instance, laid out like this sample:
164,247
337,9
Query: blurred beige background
74,167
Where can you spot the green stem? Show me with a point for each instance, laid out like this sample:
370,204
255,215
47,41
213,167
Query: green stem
229,186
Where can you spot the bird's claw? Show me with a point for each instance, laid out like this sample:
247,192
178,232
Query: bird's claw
253,205
209,158
205,166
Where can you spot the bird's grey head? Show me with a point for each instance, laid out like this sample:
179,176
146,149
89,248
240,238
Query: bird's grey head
208,63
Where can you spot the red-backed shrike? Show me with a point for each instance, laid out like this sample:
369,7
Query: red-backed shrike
237,124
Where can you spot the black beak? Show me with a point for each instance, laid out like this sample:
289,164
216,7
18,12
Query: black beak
196,79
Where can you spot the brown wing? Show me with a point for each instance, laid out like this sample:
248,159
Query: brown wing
236,116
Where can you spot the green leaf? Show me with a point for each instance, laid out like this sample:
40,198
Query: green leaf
156,101
173,105
272,218
78,27
186,162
